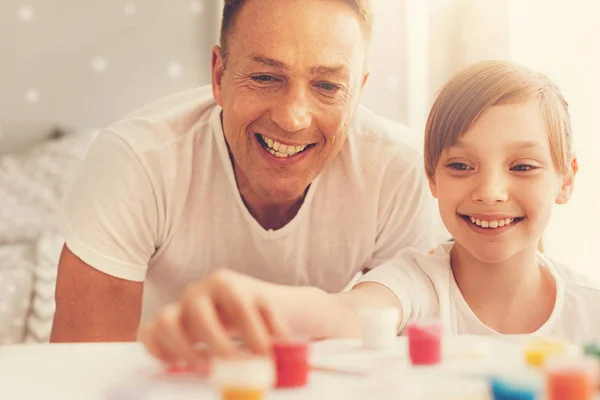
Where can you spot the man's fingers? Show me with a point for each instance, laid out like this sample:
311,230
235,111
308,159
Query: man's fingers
244,312
202,325
166,340
148,340
273,324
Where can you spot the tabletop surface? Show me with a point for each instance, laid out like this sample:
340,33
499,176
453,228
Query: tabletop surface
126,371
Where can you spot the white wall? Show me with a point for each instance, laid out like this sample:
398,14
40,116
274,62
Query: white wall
562,39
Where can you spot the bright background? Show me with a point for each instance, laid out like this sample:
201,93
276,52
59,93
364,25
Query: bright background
78,65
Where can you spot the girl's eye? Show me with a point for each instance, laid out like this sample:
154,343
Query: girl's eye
523,168
458,166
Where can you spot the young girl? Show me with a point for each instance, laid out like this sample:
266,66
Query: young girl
498,158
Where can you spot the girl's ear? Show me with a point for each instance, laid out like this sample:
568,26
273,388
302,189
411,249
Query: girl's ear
433,187
568,180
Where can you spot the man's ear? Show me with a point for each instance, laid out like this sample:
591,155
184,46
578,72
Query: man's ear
568,180
365,79
218,67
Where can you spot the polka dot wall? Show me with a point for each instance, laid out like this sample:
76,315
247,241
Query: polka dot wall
84,64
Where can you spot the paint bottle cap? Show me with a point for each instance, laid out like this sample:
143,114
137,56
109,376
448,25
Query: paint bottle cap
428,328
379,327
538,350
592,349
244,372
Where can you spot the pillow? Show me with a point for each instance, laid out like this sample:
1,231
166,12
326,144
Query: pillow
33,184
38,324
16,278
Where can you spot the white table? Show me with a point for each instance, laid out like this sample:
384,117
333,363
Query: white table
89,371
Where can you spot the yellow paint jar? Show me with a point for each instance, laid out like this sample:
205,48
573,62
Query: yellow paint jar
241,394
243,378
538,351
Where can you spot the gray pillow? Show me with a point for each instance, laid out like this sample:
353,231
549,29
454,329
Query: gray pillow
33,183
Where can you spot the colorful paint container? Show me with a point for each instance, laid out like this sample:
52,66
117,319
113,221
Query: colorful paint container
379,327
425,342
243,378
504,387
571,378
538,350
291,360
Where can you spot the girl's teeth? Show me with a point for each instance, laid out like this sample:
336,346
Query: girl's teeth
491,224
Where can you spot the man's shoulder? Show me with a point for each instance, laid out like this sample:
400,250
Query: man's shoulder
163,123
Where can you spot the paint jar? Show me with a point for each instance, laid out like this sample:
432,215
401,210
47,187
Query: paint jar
538,350
571,378
291,358
379,327
243,378
425,342
516,387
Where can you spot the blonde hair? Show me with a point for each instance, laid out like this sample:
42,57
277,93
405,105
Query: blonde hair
473,90
231,9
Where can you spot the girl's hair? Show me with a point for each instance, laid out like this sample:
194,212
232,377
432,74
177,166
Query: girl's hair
469,93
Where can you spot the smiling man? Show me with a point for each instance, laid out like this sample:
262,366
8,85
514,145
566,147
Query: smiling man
274,171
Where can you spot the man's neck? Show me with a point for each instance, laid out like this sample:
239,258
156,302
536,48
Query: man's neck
271,215
512,296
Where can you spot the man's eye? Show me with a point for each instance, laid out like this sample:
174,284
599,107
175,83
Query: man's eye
329,87
263,78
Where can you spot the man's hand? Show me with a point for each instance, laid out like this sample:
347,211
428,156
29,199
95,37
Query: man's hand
215,311
229,305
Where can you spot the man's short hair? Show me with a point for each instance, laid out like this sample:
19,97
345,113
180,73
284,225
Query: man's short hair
232,8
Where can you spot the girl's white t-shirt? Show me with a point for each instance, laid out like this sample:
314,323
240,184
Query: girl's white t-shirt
426,288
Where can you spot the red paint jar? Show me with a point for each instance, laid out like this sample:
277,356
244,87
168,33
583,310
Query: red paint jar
425,342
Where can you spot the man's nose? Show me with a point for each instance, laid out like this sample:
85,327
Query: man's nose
292,111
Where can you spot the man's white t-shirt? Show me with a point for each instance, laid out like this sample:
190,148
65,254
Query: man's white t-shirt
425,286
156,200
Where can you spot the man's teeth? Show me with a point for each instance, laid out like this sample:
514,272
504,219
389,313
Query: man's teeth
281,150
492,224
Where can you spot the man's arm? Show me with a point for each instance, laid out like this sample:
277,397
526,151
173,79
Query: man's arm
92,306
110,225
229,304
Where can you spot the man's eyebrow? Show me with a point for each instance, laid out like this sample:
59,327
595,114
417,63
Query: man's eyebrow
339,70
333,70
271,62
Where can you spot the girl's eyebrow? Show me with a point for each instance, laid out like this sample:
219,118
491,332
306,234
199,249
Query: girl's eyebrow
526,145
523,144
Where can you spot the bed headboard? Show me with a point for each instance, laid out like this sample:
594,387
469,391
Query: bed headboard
83,64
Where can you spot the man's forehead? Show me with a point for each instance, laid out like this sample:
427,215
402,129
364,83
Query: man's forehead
340,68
298,24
